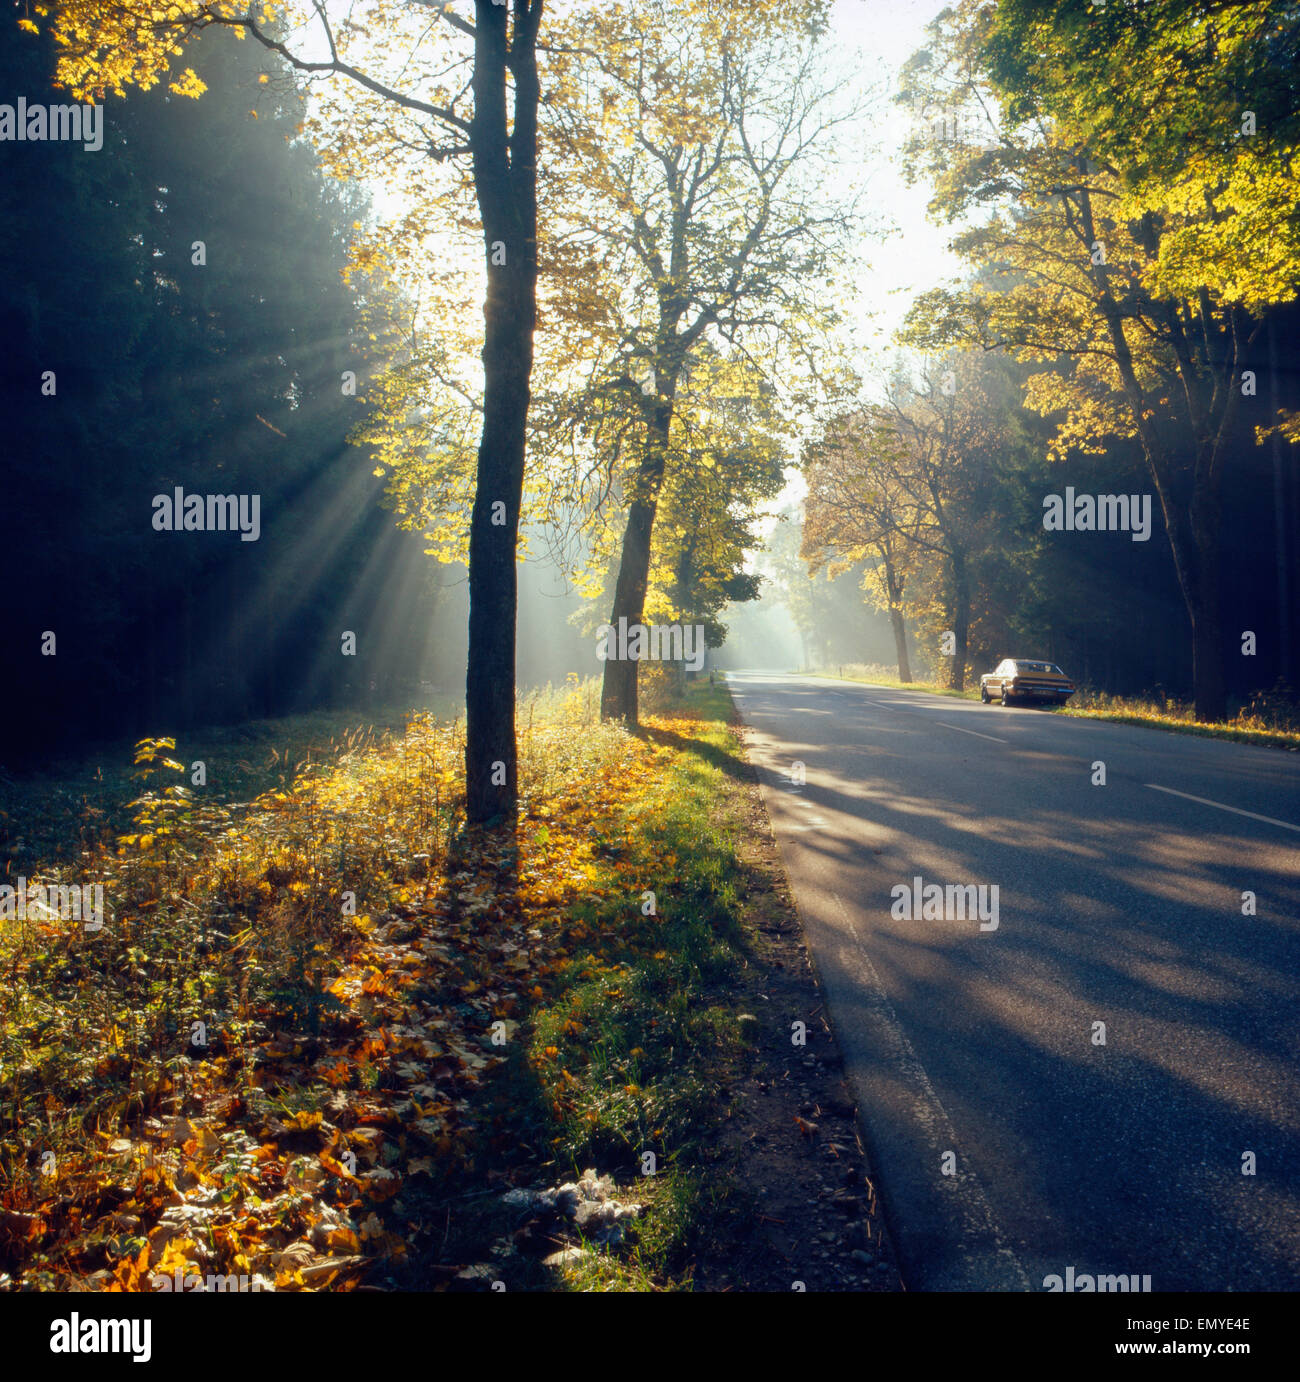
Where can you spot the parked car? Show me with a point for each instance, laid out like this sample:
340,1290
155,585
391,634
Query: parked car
1017,679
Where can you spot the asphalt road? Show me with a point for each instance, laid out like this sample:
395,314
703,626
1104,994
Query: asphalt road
1118,904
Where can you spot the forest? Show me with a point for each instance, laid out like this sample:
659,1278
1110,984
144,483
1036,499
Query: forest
411,410
296,343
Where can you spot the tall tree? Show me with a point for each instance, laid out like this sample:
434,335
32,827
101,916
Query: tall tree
856,510
1131,267
946,430
105,48
689,146
730,464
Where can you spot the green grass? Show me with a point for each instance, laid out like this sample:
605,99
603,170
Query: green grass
56,815
645,1031
1247,728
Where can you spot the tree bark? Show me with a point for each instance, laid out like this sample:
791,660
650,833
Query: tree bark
960,622
900,643
894,590
618,693
505,182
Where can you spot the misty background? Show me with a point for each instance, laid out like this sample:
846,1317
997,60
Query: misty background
225,378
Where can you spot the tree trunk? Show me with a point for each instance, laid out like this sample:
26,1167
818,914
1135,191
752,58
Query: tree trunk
894,590
618,694
1207,660
1206,609
960,623
900,643
505,181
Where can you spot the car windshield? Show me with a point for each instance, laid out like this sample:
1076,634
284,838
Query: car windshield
1049,667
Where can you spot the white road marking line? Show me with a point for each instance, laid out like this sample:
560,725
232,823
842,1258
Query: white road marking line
975,732
1236,811
931,1116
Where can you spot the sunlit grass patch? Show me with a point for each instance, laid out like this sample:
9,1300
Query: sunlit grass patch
885,676
1258,723
1264,721
349,947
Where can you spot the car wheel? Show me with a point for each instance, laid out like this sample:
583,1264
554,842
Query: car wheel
985,698
1006,695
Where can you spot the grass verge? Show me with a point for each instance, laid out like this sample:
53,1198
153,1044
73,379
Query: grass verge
321,1032
1250,727
1258,723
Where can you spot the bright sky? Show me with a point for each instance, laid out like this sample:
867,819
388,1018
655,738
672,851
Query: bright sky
873,37
916,255
870,39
